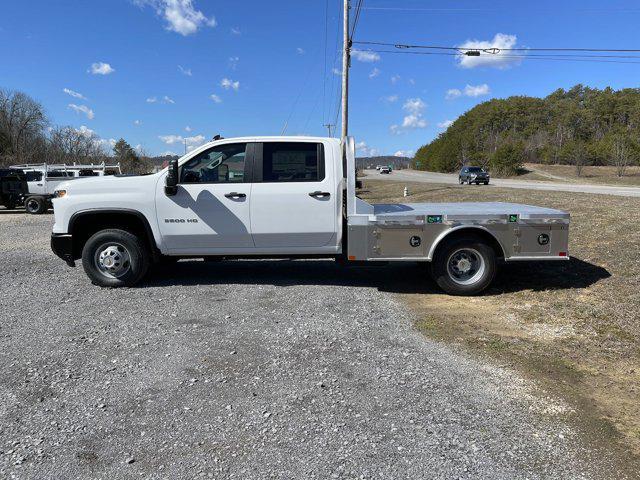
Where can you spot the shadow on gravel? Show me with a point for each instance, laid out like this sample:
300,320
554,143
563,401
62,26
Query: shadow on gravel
395,278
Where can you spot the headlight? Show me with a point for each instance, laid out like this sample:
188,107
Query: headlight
60,193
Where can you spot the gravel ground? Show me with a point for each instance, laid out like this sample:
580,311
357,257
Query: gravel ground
253,369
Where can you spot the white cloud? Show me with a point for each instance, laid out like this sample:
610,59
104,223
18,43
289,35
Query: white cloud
152,99
374,73
365,150
477,90
187,128
395,79
404,153
500,59
101,68
300,51
167,99
414,105
411,81
82,109
228,84
233,62
215,98
185,71
137,122
169,153
414,120
191,142
181,15
366,56
236,30
453,93
74,94
390,98
336,71
446,124
415,108
472,91
85,131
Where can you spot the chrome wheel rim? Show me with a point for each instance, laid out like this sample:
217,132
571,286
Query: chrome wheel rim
112,260
466,266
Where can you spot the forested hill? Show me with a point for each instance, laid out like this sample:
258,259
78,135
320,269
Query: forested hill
581,126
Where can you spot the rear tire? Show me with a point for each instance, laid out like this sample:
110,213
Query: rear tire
115,258
464,266
35,205
486,183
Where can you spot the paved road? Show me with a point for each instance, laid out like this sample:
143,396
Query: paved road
446,178
252,370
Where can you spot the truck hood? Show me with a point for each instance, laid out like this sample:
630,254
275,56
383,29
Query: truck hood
486,209
108,184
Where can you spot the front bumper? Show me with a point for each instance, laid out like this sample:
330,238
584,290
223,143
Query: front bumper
62,246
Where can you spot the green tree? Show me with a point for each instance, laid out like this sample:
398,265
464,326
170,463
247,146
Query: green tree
507,159
129,160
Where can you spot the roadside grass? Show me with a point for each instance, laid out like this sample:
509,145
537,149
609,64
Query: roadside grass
574,326
600,175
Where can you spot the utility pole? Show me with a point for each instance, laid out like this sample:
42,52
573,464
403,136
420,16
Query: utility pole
346,61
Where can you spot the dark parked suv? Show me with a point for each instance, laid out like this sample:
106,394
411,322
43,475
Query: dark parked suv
475,175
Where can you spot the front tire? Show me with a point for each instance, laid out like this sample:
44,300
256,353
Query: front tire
464,266
115,258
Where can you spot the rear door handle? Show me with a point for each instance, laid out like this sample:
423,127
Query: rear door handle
320,194
235,195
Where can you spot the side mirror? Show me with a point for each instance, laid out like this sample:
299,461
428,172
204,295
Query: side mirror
171,182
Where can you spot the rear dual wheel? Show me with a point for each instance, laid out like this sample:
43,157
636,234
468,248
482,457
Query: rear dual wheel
35,205
464,266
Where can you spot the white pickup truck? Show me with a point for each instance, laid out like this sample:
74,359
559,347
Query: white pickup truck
287,197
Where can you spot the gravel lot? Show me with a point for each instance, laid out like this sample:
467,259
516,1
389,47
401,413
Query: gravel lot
253,369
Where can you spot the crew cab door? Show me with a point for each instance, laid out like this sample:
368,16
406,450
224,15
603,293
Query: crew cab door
293,199
209,214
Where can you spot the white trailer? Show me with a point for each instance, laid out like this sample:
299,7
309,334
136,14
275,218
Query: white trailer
287,197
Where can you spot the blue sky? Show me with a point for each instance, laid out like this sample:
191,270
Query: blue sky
159,72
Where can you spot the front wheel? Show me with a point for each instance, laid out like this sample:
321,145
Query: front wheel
460,180
464,266
115,258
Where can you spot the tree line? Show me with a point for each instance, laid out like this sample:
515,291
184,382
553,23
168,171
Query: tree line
27,136
581,126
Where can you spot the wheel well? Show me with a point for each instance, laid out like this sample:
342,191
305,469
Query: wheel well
84,225
484,235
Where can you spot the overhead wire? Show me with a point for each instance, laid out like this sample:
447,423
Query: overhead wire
570,58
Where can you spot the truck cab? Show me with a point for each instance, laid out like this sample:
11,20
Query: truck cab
288,197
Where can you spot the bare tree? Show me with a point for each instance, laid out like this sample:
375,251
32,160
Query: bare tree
22,123
68,145
579,155
620,157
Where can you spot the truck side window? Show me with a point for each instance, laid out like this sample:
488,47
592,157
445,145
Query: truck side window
221,164
33,176
292,162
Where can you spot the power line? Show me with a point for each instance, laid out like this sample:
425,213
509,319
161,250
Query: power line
496,50
569,58
356,19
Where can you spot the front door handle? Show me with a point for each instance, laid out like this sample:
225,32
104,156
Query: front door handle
235,195
320,194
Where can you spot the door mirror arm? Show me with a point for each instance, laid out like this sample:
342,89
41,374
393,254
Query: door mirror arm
171,181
